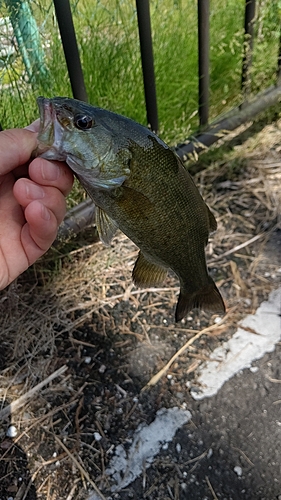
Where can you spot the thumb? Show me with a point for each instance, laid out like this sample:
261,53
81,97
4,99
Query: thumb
16,146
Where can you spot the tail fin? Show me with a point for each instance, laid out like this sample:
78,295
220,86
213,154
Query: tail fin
208,299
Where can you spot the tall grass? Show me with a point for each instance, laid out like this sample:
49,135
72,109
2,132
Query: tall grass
109,46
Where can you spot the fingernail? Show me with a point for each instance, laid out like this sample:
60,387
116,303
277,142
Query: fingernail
34,126
45,213
34,192
50,172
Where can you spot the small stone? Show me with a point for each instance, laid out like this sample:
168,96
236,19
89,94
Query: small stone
178,447
11,432
238,470
254,369
183,486
97,436
217,320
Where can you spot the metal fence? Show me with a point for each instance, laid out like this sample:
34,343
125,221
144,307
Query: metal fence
208,134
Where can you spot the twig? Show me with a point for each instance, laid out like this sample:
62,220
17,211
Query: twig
18,403
211,488
81,469
244,456
238,247
161,373
196,459
274,380
107,300
72,491
37,421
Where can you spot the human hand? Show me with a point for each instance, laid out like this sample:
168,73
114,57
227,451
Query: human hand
32,202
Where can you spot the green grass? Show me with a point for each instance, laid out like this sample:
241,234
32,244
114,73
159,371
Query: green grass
109,46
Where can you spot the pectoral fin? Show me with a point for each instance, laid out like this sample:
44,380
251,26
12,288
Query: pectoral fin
146,273
106,226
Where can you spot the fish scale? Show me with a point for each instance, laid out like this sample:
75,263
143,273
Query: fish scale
140,186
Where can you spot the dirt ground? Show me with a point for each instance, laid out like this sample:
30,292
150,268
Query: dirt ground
80,344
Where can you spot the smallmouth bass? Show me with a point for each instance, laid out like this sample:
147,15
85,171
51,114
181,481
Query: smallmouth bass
139,185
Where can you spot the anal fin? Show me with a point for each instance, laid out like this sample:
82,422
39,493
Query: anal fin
146,273
106,226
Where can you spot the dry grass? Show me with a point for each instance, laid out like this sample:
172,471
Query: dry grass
113,338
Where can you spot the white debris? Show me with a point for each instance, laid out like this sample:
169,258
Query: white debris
238,470
97,436
178,447
127,465
217,320
11,431
254,369
257,334
88,360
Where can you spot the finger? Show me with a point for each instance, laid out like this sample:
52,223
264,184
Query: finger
16,146
27,191
51,173
39,232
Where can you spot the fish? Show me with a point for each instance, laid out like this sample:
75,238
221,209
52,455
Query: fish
140,186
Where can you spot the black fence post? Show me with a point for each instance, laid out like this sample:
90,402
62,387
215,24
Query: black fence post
69,42
203,61
279,62
250,8
144,27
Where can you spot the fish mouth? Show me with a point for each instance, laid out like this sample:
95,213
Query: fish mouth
50,132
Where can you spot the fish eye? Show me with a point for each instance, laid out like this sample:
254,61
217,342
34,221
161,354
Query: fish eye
83,122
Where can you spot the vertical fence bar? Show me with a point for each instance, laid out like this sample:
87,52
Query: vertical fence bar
250,8
70,47
144,27
203,7
279,62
